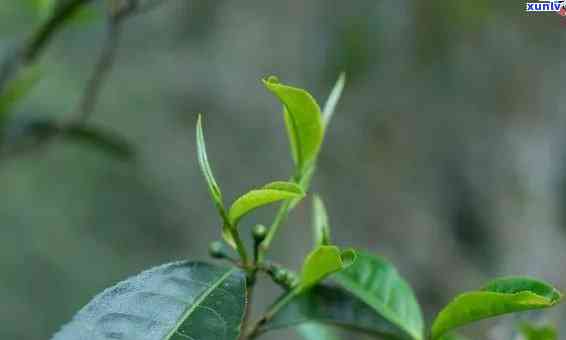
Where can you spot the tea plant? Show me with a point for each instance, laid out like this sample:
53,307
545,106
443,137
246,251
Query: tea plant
350,288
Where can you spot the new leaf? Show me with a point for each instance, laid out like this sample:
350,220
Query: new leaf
270,193
303,120
324,261
321,227
205,166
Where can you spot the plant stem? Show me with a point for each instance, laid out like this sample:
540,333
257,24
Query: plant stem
256,330
280,218
35,45
235,233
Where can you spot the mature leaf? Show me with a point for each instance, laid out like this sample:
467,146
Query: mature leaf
316,331
502,296
18,88
323,261
533,332
321,227
177,301
334,306
270,193
205,166
376,282
333,99
303,120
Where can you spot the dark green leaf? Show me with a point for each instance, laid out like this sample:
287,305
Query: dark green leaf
303,120
333,99
334,306
321,227
178,301
377,283
270,193
323,261
499,297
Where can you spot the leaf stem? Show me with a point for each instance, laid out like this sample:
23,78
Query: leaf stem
280,218
256,330
240,247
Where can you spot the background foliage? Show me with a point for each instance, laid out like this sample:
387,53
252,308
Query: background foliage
445,154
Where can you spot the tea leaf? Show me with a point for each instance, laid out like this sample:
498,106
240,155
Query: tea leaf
501,296
303,120
377,283
323,261
330,305
270,193
333,99
182,300
205,166
321,228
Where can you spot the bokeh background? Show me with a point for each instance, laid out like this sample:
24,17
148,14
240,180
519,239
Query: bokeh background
446,153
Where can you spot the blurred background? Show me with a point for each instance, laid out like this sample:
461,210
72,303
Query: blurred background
446,153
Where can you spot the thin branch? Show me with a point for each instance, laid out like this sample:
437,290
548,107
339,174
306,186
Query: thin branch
31,50
102,68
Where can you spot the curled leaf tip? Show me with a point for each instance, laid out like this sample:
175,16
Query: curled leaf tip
348,257
272,80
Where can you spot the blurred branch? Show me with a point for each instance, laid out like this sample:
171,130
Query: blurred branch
28,53
118,12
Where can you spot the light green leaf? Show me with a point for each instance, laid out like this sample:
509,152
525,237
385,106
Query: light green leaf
303,120
376,282
177,301
323,261
316,331
17,89
270,193
331,305
502,296
285,186
321,227
333,99
205,166
533,332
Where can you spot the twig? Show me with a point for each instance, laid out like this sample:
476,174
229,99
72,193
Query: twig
255,330
28,53
105,61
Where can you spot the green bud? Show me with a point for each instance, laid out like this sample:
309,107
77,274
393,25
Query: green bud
216,250
290,279
280,275
259,233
